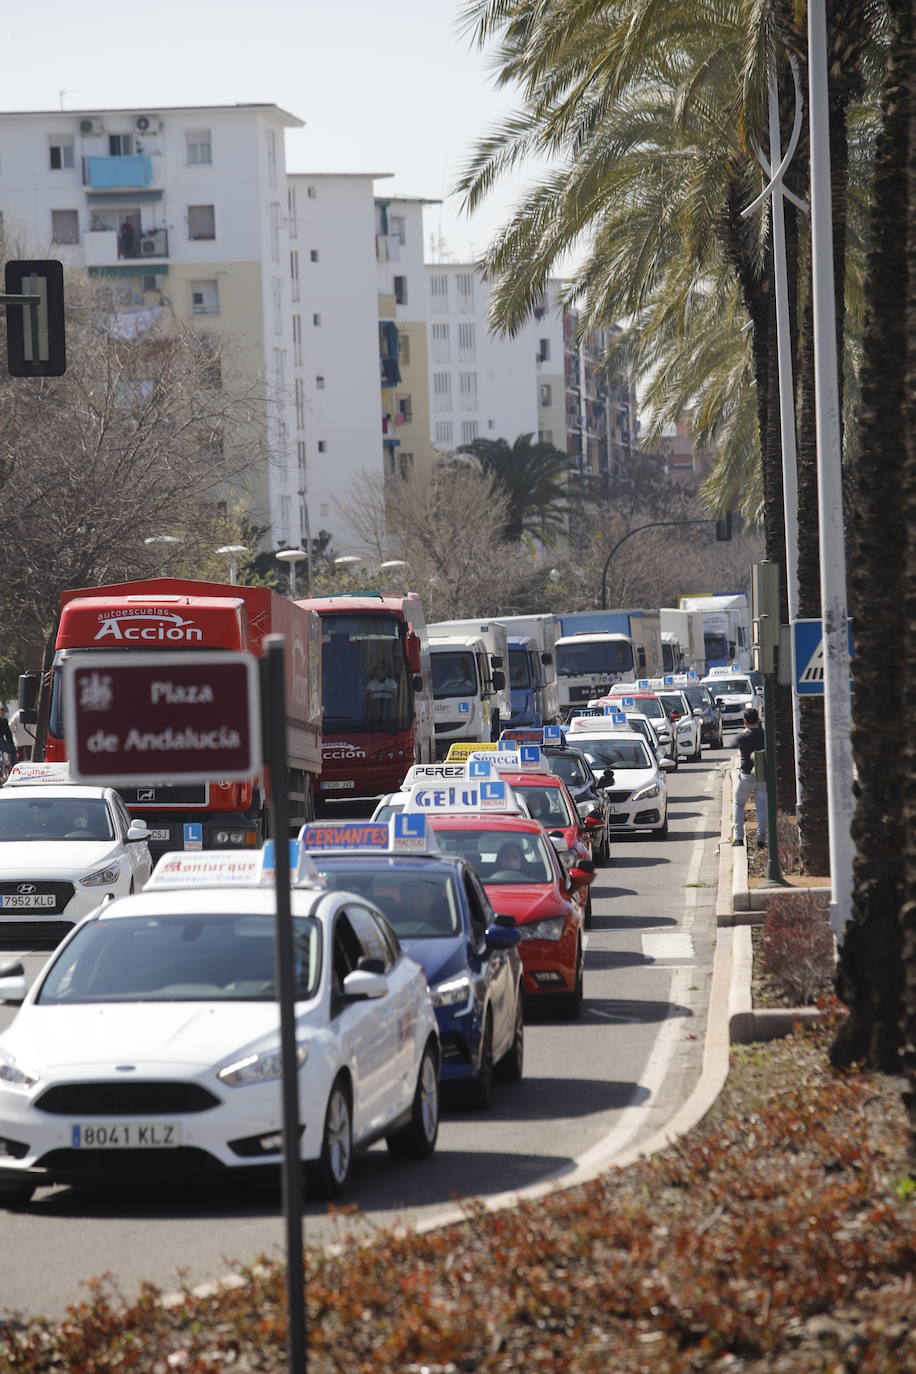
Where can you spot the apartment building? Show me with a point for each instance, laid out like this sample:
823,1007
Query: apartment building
180,209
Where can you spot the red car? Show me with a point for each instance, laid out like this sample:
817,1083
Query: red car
549,801
524,877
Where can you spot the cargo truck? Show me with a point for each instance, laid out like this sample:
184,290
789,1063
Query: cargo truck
533,669
683,645
495,640
178,613
726,627
465,690
599,648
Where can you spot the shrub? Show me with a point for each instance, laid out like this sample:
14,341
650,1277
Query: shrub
797,948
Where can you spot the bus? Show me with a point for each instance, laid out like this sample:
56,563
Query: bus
376,690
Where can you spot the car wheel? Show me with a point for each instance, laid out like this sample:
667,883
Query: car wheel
328,1176
15,1195
417,1139
698,756
572,1002
509,1069
481,1085
662,830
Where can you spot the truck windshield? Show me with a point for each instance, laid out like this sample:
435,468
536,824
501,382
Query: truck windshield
738,685
594,658
364,676
519,669
716,647
454,675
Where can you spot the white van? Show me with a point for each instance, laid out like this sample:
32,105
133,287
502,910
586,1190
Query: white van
466,690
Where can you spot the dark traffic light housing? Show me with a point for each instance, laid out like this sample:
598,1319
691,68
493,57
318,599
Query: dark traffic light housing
42,353
724,528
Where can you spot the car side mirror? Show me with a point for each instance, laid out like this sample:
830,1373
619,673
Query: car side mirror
137,830
363,982
667,764
13,986
499,935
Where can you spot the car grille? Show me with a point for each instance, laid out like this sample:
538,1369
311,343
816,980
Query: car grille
36,935
76,1164
126,1099
61,892
173,794
615,797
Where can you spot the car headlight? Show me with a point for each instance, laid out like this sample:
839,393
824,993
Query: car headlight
102,876
259,1068
646,792
549,929
568,856
13,1075
452,992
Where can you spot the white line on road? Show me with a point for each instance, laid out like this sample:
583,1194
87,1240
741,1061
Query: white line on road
669,945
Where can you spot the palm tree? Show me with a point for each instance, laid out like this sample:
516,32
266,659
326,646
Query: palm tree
533,476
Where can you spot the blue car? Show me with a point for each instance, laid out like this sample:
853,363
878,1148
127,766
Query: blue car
443,920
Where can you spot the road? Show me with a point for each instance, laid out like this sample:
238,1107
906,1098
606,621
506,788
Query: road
590,1088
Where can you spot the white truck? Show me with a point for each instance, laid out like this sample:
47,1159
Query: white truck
471,698
683,645
726,628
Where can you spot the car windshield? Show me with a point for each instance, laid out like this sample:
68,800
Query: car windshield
740,686
418,904
55,818
673,701
570,768
698,697
501,856
206,957
651,707
619,754
545,804
454,674
643,727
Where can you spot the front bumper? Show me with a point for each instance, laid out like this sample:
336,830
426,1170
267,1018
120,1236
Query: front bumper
646,814
549,966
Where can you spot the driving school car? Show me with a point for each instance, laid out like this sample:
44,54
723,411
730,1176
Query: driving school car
632,776
443,919
64,849
150,1042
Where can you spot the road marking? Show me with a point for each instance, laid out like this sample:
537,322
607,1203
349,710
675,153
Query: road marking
668,946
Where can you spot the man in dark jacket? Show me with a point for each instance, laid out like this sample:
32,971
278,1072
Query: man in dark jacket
751,778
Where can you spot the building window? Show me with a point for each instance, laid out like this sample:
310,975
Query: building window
400,290
468,431
199,148
467,390
294,274
300,453
546,394
444,433
204,298
278,304
323,448
65,226
467,344
442,391
120,145
272,159
397,228
319,383
438,292
316,318
275,231
311,192
61,152
299,395
313,255
405,410
545,436
404,348
464,287
201,222
441,343
292,224
405,463
544,351
297,340
150,283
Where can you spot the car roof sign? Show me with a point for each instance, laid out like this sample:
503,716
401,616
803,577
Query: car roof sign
553,735
491,795
526,759
519,735
403,833
36,773
460,750
418,771
627,703
207,868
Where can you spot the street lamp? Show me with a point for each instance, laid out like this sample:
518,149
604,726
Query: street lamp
233,552
652,525
291,557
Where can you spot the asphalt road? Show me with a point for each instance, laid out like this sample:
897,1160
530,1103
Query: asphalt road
590,1088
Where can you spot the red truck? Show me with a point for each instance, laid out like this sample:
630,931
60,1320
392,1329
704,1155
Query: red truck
177,613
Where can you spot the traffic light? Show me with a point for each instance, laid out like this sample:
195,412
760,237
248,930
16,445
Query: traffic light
45,355
724,528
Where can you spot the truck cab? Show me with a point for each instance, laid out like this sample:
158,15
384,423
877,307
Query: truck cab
465,691
533,683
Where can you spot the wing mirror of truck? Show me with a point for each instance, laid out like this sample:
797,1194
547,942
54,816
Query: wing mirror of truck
547,659
499,679
413,654
27,698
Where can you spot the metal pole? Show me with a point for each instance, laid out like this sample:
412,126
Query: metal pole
837,701
774,873
274,711
653,524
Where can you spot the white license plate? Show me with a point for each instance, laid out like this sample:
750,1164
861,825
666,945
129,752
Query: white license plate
336,786
125,1135
28,902
160,834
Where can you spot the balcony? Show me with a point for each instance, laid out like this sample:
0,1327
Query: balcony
118,173
103,247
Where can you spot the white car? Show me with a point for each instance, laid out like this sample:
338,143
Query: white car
150,1042
638,793
63,850
734,689
686,726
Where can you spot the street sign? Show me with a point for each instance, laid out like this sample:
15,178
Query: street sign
36,344
808,656
171,717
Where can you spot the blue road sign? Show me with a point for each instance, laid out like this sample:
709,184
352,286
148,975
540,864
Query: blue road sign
808,656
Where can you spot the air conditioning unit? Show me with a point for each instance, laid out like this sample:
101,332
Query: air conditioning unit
148,247
147,124
91,126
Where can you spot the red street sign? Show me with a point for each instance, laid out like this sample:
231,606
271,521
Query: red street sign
134,717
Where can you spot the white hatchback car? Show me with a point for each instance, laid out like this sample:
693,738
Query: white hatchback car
150,1042
638,794
63,849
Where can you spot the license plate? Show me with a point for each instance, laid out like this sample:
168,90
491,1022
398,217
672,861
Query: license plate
160,834
27,903
125,1135
336,786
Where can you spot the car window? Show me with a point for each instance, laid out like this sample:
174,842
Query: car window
415,903
478,905
546,804
501,856
55,818
122,814
570,768
180,958
368,933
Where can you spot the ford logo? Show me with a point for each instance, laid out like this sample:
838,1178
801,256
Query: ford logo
25,888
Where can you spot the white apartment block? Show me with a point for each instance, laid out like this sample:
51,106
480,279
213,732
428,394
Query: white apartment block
182,209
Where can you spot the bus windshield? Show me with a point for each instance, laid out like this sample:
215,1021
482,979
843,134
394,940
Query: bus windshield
364,674
594,658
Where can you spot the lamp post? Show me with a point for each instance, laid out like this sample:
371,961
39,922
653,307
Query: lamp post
291,557
652,525
233,552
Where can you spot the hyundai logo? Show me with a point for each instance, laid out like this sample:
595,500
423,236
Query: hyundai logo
25,888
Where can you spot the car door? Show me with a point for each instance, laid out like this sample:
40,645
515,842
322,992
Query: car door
137,855
492,967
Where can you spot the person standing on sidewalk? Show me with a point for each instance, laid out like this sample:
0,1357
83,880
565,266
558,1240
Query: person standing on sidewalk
23,737
751,778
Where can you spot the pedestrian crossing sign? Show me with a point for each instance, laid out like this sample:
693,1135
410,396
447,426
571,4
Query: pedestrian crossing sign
808,656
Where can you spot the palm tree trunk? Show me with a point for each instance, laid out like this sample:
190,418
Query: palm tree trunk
870,977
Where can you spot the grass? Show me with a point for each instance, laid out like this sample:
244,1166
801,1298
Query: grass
778,1237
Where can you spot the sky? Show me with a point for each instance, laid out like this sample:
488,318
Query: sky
382,85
